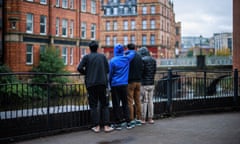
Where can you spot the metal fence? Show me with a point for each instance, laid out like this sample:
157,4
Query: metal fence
33,104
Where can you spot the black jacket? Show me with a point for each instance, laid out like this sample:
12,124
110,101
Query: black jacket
135,69
95,68
149,67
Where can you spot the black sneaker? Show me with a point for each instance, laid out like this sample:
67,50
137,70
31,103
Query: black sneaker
130,125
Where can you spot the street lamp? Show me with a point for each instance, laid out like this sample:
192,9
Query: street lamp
200,45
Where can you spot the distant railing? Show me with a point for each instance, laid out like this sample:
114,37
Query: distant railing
192,61
31,108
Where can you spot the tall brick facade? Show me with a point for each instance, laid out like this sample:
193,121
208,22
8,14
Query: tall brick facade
236,34
32,25
148,23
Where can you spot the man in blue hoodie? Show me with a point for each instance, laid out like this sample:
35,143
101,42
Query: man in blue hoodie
118,79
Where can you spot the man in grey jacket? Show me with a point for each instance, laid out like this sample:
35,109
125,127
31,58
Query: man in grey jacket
95,68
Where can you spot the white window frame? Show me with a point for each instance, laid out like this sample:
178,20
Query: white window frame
71,28
71,56
108,26
115,11
133,10
65,55
133,39
144,10
93,6
144,40
65,4
43,24
153,10
64,27
108,40
29,54
125,25
83,52
57,26
144,24
93,31
43,1
133,24
152,24
83,30
57,3
83,5
114,40
29,23
30,0
125,40
152,39
115,25
71,4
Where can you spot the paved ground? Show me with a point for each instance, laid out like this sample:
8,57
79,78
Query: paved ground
221,128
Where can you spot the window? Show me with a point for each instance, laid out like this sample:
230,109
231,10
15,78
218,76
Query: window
107,40
144,10
115,11
108,11
125,25
144,40
107,26
83,30
64,28
71,4
57,3
144,24
29,23
71,28
42,49
29,54
83,5
93,31
43,24
57,26
133,39
152,24
133,23
30,0
93,6
83,52
115,25
43,1
125,40
152,39
114,40
64,55
71,56
133,9
64,3
152,9
125,10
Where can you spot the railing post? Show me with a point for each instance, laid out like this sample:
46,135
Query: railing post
169,91
235,98
48,101
205,84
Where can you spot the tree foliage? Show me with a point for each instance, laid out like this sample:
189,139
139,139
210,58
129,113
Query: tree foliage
223,52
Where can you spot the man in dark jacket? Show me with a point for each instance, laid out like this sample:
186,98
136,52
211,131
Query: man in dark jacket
147,88
134,85
95,68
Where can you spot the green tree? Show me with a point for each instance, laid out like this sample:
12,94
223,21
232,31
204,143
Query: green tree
190,52
50,62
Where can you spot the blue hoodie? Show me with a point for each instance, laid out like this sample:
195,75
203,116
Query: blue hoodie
119,66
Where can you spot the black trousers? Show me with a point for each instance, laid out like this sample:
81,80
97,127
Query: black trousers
98,99
119,95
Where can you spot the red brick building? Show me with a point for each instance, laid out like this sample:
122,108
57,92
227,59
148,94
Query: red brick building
149,23
33,25
236,34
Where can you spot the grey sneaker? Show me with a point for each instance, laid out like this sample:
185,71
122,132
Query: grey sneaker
138,122
117,126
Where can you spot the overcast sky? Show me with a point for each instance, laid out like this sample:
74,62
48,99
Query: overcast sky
203,17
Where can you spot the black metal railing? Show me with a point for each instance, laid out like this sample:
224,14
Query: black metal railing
36,104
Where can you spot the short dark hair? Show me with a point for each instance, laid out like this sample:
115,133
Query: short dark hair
131,46
93,45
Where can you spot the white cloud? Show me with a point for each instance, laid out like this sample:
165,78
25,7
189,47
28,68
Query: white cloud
204,17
